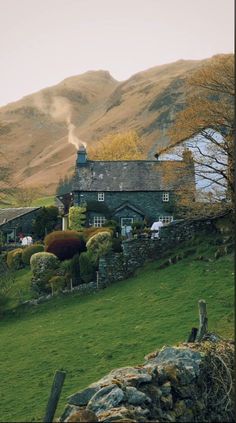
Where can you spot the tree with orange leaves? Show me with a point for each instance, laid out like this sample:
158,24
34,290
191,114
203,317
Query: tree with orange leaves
119,146
206,126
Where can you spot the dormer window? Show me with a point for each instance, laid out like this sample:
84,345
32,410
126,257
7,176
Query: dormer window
101,196
165,197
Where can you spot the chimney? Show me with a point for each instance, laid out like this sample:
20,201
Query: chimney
187,156
81,156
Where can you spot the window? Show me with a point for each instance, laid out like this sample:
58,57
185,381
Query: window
165,197
101,196
98,221
166,219
126,221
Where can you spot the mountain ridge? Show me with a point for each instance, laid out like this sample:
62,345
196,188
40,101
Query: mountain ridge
34,129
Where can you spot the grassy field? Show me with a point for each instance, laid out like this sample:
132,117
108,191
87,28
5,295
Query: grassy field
90,335
44,201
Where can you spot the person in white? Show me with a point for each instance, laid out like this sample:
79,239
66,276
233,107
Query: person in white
27,240
155,229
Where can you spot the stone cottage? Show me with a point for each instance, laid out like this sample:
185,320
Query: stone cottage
17,220
129,191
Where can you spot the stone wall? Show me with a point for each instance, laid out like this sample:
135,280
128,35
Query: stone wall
175,384
115,267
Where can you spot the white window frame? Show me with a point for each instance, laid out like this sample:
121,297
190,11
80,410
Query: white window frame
165,197
124,218
101,196
166,219
98,221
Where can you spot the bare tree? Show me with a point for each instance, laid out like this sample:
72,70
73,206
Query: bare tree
206,127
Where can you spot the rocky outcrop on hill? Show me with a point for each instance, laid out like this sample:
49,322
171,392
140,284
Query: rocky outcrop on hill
192,382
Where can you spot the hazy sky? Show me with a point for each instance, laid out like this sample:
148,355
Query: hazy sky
45,41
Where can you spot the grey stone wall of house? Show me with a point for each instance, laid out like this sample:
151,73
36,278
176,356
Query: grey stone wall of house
175,384
21,224
150,202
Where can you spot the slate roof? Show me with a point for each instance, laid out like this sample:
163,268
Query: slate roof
137,175
6,215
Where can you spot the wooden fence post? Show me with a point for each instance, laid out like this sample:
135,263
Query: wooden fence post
203,320
55,393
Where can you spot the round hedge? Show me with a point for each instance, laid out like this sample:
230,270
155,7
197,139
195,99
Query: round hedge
99,244
14,259
61,235
66,248
29,251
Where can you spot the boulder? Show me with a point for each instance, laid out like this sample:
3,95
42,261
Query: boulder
108,397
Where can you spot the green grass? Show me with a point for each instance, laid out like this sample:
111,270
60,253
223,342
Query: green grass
20,289
44,201
90,335
39,202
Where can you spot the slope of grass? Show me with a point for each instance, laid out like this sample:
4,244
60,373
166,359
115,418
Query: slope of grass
20,289
44,201
90,335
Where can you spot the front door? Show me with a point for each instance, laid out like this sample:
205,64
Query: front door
126,225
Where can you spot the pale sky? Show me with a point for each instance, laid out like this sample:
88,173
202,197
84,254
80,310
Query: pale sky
45,41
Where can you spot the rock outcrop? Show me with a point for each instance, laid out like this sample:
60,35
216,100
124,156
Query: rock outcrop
186,383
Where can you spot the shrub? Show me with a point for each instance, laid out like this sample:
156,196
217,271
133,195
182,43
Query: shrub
45,221
44,267
137,226
117,245
112,224
14,259
89,232
99,244
77,217
3,263
65,270
66,248
29,251
61,235
75,269
87,267
57,283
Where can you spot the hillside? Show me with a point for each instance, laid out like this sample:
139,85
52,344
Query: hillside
90,335
34,130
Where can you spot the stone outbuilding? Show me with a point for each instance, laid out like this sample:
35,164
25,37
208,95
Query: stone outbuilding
17,220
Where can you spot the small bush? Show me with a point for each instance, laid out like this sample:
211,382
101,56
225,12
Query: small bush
3,263
99,244
66,248
87,267
57,283
61,235
89,232
112,224
29,251
44,266
117,245
14,259
137,227
75,269
65,270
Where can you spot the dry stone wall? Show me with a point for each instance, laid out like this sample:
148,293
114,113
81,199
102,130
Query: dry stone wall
173,385
118,266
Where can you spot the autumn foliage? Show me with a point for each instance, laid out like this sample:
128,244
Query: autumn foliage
120,146
206,126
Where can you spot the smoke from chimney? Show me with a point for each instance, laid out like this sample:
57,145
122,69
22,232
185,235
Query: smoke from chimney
72,138
59,108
